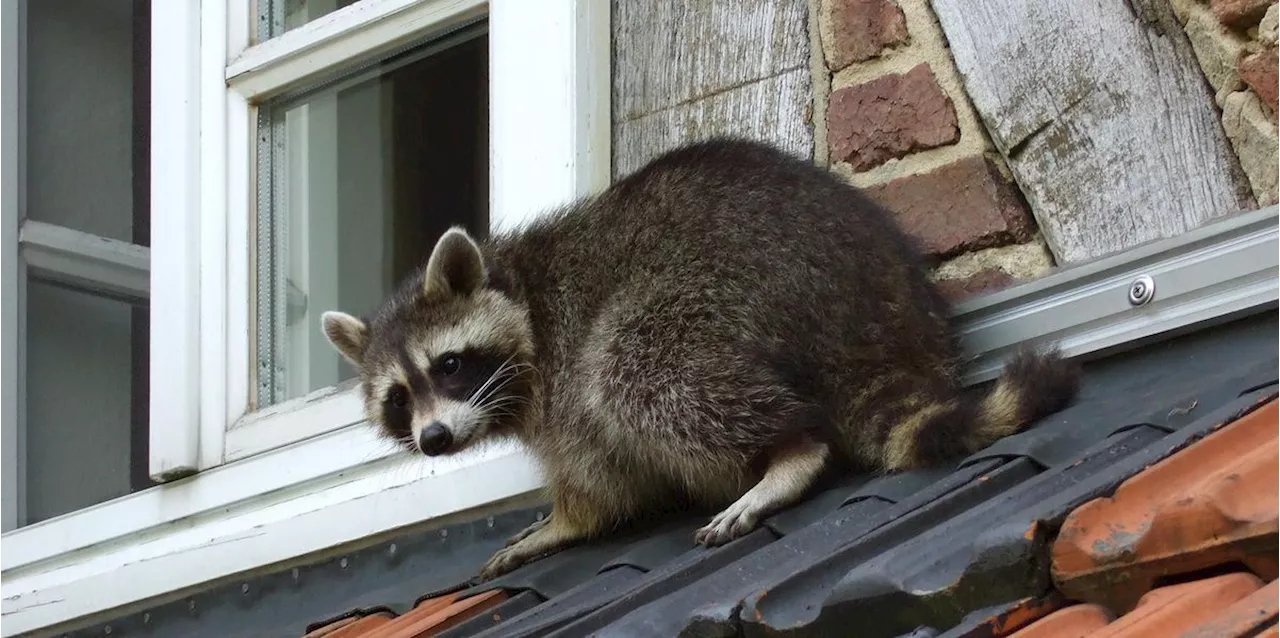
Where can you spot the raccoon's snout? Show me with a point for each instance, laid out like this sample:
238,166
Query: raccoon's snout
435,439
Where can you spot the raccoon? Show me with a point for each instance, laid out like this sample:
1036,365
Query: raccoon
716,330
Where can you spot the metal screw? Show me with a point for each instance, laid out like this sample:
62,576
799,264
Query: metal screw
146,618
191,605
107,630
1142,290
296,573
392,550
444,533
343,563
490,522
244,589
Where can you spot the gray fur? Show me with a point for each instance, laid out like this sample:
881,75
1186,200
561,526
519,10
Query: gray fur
712,331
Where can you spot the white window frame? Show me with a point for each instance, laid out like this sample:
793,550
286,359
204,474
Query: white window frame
272,499
45,252
293,472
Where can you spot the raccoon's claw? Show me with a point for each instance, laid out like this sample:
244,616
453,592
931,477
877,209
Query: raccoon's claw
732,523
502,562
542,541
524,533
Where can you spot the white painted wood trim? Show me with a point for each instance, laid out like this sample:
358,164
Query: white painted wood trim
332,511
241,211
213,222
205,494
317,413
13,277
353,34
85,261
549,66
175,238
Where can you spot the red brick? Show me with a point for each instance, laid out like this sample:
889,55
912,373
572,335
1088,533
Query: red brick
965,205
888,117
1259,72
1239,14
984,281
861,29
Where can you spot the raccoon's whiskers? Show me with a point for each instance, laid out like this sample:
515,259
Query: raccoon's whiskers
500,378
488,387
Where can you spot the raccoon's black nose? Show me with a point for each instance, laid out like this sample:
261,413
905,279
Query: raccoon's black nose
435,438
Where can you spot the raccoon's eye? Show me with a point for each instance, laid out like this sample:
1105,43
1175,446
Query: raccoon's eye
450,364
397,397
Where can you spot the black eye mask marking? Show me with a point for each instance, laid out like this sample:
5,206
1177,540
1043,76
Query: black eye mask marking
397,412
463,374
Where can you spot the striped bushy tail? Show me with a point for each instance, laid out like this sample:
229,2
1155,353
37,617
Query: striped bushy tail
1032,385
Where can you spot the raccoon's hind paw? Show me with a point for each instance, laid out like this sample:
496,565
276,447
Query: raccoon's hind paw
793,467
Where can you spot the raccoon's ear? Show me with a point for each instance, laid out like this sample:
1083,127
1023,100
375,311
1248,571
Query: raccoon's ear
348,334
456,266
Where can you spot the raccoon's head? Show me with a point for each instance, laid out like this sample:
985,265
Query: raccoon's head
448,359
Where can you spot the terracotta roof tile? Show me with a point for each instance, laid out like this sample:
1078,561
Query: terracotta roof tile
1077,621
1243,618
435,615
1168,611
1211,504
351,625
1234,604
1004,620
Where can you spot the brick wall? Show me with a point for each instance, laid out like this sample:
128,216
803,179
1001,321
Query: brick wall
869,88
1235,43
898,123
892,116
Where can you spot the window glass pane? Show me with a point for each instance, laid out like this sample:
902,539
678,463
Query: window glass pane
81,76
86,376
82,425
279,16
357,180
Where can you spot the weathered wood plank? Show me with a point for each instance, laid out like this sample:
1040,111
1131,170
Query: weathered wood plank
686,69
1103,114
772,110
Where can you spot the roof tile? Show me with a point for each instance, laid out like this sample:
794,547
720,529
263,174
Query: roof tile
1169,610
1233,604
1244,618
361,627
1077,621
435,615
999,621
1210,504
352,624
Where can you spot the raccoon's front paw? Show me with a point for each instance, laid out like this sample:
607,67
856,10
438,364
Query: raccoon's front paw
543,541
524,533
502,562
738,520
